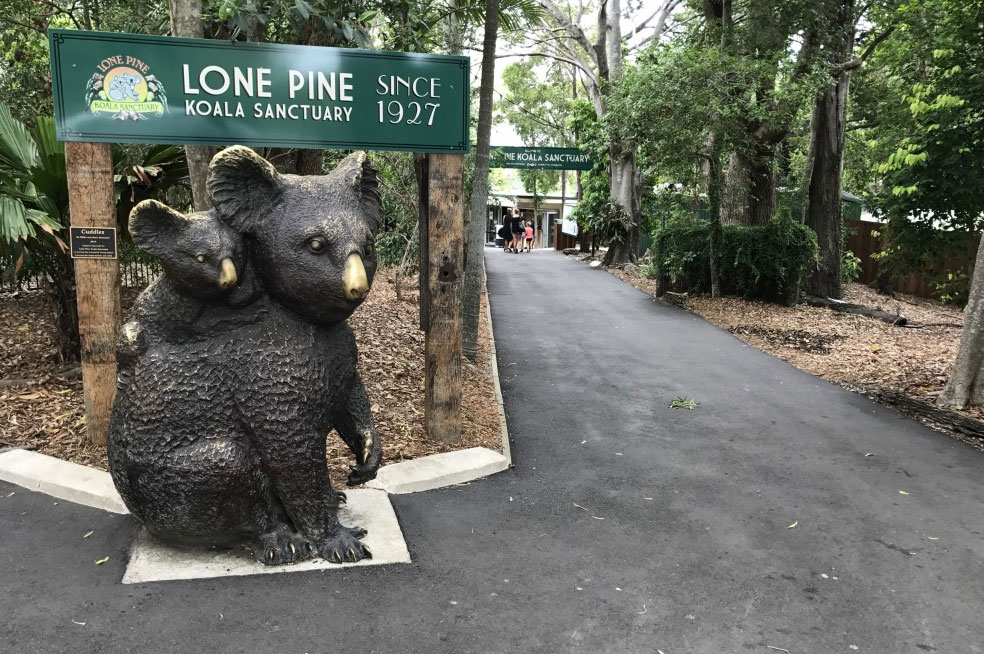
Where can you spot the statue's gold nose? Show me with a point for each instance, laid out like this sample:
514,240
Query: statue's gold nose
227,277
354,279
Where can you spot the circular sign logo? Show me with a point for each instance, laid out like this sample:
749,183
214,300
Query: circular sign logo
126,93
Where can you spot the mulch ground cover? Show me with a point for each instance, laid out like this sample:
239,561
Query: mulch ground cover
41,399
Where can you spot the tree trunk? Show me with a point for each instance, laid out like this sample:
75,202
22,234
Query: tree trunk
823,211
186,21
714,202
762,186
622,180
749,193
623,190
478,216
735,194
310,162
64,302
421,171
966,384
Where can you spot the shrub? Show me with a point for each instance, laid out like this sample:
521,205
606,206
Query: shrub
767,262
850,267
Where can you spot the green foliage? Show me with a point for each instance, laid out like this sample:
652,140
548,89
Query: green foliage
765,262
595,211
398,241
684,403
945,256
33,194
930,141
315,22
850,267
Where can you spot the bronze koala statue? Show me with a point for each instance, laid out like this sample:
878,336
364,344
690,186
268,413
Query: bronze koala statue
218,432
201,257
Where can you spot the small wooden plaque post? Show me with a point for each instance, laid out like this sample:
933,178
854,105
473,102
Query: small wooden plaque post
91,204
445,279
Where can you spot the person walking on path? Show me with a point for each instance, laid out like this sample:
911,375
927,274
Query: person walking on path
518,232
529,237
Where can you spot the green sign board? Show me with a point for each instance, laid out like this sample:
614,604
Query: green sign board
548,158
156,89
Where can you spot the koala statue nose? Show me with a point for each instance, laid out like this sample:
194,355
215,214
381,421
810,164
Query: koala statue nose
227,277
354,279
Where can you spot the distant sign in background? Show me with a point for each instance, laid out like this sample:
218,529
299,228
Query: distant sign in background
544,158
135,88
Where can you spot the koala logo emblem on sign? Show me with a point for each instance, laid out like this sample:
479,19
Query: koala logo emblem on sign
125,91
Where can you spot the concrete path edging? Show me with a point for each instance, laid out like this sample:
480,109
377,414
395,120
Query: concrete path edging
494,362
62,479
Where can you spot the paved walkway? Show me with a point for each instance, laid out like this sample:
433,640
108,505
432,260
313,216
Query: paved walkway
625,527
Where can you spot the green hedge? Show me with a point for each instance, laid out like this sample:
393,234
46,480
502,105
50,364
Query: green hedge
766,262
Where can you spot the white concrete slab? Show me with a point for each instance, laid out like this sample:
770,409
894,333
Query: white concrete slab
62,479
367,508
438,470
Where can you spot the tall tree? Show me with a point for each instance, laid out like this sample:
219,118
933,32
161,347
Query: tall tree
186,21
475,262
602,63
825,160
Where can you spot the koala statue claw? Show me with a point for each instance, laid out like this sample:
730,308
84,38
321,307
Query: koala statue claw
237,362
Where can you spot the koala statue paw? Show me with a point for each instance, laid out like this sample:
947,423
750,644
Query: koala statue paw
281,546
364,472
344,546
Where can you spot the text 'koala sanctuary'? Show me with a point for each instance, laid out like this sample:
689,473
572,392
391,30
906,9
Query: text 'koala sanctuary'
404,96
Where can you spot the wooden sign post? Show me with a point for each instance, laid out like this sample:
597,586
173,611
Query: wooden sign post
138,88
97,280
445,279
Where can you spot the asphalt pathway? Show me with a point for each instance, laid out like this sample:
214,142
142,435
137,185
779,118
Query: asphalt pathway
626,526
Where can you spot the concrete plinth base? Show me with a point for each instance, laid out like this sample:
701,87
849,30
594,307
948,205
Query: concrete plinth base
369,509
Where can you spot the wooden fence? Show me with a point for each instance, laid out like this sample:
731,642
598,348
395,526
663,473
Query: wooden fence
864,242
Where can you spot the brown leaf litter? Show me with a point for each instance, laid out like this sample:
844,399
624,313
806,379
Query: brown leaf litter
41,402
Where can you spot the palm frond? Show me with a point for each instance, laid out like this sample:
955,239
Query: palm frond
17,149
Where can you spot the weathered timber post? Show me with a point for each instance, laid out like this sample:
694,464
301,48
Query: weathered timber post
90,193
421,169
442,350
186,20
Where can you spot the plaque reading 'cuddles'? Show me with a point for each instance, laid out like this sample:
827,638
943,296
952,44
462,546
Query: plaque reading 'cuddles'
238,362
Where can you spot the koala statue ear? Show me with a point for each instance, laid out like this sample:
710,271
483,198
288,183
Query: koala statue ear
155,226
359,174
243,186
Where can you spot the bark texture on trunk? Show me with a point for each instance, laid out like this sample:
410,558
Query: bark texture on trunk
186,21
478,215
734,195
624,167
421,171
966,383
762,187
89,168
714,200
64,303
823,210
624,172
442,345
749,193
